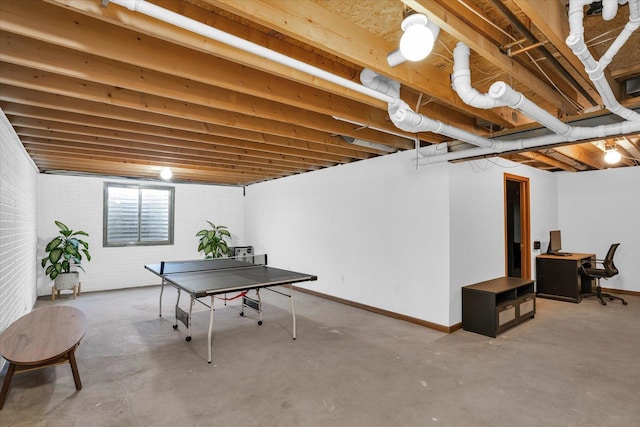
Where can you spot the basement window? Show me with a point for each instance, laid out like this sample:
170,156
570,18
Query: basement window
137,215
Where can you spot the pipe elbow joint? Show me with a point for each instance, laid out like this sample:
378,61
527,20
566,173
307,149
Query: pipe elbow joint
500,91
407,119
609,9
367,77
382,84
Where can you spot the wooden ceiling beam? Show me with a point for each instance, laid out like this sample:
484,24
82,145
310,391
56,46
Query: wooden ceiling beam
117,170
140,142
35,54
502,38
25,102
80,160
133,44
470,14
326,31
483,46
550,17
580,153
65,28
626,72
75,146
198,143
142,149
33,146
47,163
50,83
543,158
18,51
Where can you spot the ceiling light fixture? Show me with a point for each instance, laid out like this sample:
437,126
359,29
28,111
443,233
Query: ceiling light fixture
612,156
418,39
166,173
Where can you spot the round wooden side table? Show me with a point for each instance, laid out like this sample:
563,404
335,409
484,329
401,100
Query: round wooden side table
45,337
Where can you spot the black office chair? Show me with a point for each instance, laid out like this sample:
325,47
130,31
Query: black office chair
609,270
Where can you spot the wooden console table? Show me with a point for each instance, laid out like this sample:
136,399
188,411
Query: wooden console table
493,306
42,338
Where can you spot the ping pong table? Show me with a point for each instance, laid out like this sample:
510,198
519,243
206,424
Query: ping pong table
214,277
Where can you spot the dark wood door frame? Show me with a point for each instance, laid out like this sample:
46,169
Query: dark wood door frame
525,232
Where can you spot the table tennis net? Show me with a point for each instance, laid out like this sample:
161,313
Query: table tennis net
174,267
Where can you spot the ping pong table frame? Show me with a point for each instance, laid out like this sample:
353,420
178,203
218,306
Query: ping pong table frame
185,317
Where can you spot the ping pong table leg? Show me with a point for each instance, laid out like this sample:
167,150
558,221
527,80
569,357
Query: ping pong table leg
161,291
259,307
175,325
189,319
293,312
210,327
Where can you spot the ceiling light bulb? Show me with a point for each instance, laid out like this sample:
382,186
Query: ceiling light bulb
612,156
418,40
166,173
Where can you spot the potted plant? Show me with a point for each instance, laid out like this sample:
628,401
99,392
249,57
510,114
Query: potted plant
212,241
64,252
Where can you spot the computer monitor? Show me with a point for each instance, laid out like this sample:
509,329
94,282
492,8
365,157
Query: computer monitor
555,242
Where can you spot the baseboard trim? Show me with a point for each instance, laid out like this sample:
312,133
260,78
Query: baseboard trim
414,320
620,291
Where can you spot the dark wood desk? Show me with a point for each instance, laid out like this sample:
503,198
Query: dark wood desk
561,278
42,338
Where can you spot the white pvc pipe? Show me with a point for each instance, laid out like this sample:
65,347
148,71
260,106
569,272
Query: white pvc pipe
632,25
595,69
387,90
500,94
634,9
194,26
576,15
387,86
505,93
604,131
395,58
461,81
609,9
406,119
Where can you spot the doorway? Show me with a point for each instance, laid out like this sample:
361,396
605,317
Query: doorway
516,222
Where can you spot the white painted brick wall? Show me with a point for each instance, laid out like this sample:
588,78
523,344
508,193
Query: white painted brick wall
81,208
18,227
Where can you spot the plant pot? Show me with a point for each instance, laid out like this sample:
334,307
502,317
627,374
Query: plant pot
66,281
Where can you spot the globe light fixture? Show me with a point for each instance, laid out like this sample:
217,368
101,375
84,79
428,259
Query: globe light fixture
166,173
612,156
418,38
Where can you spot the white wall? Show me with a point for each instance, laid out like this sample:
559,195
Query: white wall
378,232
78,202
375,232
18,199
381,233
477,221
599,208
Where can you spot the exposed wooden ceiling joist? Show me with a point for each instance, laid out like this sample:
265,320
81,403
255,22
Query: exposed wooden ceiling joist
109,91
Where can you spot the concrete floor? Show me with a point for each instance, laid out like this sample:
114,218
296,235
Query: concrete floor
573,365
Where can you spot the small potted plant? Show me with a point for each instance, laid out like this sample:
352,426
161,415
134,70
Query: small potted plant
212,241
64,252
